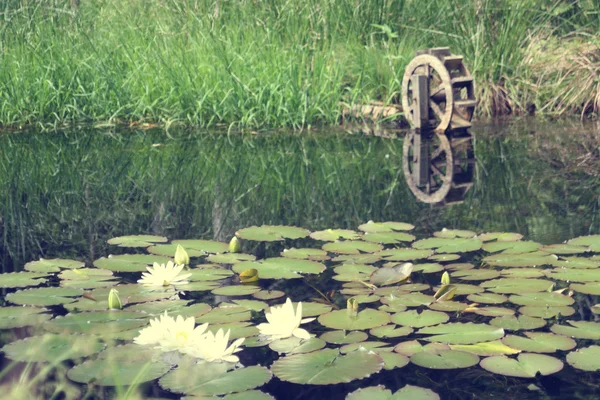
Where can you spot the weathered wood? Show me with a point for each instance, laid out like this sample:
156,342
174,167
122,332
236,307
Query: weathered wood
420,101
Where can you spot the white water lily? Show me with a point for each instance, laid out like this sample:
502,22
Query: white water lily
164,275
284,322
213,347
172,334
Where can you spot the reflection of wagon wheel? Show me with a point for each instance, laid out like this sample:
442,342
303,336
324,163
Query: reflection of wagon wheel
451,91
432,184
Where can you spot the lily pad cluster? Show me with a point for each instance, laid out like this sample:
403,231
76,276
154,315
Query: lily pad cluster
380,299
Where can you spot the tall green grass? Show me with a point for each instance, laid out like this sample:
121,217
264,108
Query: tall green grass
243,63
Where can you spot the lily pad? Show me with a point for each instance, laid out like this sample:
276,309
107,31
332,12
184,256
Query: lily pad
415,319
230,258
378,227
486,349
391,331
444,359
408,392
587,359
564,249
493,311
375,346
592,288
404,254
357,258
49,296
428,268
448,245
53,348
137,240
574,275
547,312
281,268
293,345
390,276
331,235
305,254
487,298
352,247
253,305
579,329
539,342
129,262
515,247
365,319
518,286
476,274
500,236
454,233
525,273
97,322
53,265
522,322
21,279
412,347
519,260
388,237
592,242
526,366
271,233
327,367
225,314
208,273
462,333
577,262
444,257
172,307
17,317
407,300
134,293
236,290
268,294
116,367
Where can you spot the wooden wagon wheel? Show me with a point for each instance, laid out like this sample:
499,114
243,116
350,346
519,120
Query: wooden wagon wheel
440,166
451,90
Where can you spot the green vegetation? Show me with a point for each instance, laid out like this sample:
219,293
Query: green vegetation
248,64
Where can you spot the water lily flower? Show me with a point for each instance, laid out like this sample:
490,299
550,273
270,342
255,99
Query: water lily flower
164,275
181,256
172,334
213,347
284,322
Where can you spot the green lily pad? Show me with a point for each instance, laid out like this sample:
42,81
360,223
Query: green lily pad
365,319
459,266
500,236
465,289
547,312
391,331
486,349
592,242
454,233
53,265
49,296
245,395
17,317
493,311
516,247
172,307
239,329
564,249
444,257
134,293
476,274
592,288
487,298
518,286
230,258
378,227
542,299
579,329
462,333
305,254
253,305
519,260
404,254
327,367
525,273
331,235
87,278
53,348
429,268
526,366
448,306
415,319
374,346
388,237
577,262
236,290
539,342
522,322
199,286
225,314
293,345
407,300
408,392
444,359
390,276
137,240
449,245
208,273
357,258
574,275
353,272
97,322
344,337
587,359
21,279
271,233
268,294
352,247
412,347
312,309
281,268
119,367
168,250
129,262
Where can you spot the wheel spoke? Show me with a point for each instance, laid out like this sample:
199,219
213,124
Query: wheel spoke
438,93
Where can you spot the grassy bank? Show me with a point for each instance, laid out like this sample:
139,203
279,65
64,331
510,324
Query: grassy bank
259,64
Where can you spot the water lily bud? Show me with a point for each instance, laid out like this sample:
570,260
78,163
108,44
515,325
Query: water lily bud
249,275
446,278
352,306
114,302
235,245
181,256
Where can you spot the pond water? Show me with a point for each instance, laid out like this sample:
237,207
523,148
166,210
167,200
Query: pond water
64,195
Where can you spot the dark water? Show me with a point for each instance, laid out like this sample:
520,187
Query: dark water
64,194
